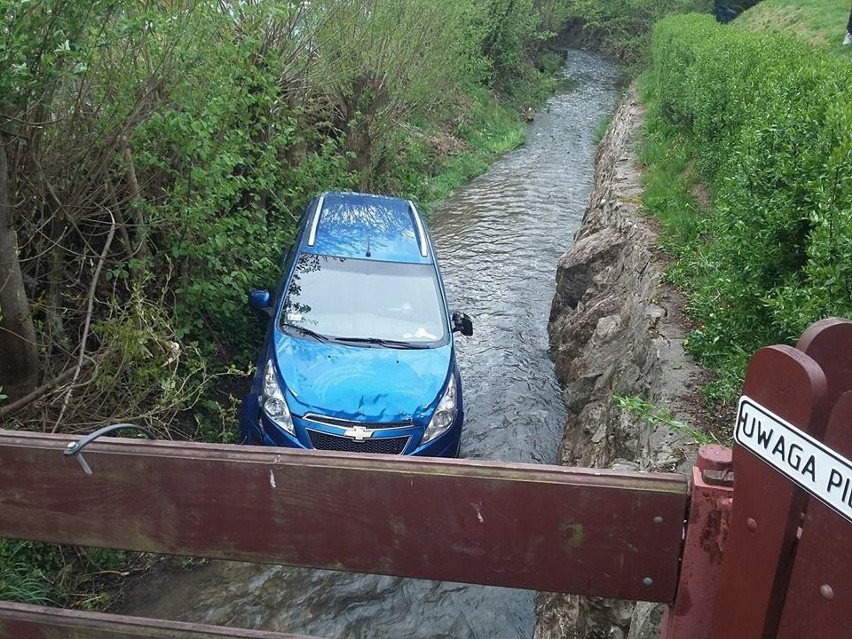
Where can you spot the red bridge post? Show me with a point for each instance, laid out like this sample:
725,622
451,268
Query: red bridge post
775,561
819,597
767,506
707,527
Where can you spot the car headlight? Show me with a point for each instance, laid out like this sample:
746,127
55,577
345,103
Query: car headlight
272,401
444,414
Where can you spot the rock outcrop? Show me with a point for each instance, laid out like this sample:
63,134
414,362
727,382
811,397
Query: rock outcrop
615,330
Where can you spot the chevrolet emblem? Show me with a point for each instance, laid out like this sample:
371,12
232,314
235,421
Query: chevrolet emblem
359,433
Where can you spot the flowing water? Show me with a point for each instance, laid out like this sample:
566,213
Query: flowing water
498,240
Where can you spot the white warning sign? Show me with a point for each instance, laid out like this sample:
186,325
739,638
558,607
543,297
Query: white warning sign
798,456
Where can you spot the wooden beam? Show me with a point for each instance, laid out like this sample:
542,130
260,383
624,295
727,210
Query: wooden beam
20,621
605,533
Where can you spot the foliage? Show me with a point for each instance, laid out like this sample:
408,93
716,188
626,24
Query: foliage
155,377
815,21
162,176
485,131
38,573
213,151
20,579
666,158
653,415
396,60
42,41
767,130
601,129
622,27
506,27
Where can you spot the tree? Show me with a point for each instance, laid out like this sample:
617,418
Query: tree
388,60
19,359
37,37
507,27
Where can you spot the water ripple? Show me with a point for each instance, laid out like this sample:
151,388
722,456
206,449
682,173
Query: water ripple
498,241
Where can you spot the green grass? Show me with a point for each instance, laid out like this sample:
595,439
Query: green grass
490,133
489,130
822,22
653,415
40,573
601,129
668,186
20,579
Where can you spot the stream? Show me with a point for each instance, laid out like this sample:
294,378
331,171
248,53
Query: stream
498,240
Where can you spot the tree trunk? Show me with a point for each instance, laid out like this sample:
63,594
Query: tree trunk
358,143
19,360
135,202
368,95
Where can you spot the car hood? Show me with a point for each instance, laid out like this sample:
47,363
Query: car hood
361,383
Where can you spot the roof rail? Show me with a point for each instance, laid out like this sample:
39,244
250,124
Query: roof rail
312,237
421,232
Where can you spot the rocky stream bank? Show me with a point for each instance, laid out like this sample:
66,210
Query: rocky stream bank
617,330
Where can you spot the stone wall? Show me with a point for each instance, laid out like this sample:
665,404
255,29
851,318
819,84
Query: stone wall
616,329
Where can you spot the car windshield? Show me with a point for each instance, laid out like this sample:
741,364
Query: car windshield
364,301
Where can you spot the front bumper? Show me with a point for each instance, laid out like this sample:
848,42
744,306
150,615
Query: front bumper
257,429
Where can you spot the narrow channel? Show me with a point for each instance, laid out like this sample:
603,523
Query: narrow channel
498,240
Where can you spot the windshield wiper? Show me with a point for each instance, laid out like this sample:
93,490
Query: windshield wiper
306,331
378,341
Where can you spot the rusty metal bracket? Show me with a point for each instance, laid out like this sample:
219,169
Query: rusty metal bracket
75,449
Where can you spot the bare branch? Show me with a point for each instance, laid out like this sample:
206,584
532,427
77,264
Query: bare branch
88,321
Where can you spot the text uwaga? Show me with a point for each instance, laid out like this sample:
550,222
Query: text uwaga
810,464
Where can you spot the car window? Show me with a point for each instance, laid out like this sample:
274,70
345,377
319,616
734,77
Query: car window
365,299
287,258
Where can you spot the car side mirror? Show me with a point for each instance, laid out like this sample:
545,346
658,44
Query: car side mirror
262,301
462,323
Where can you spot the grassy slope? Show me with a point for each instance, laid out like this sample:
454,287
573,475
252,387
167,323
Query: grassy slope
822,22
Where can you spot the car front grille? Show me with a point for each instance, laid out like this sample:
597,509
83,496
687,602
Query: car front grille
345,423
383,445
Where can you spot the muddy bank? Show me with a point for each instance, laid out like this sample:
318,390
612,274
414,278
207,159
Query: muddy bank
616,329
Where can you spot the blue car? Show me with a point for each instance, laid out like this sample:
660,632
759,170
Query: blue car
359,354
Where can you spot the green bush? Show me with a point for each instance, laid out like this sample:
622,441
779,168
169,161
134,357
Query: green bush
767,121
622,27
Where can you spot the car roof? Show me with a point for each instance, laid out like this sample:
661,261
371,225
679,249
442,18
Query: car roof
366,226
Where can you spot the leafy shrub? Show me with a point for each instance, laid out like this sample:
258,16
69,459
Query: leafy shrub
767,119
622,27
